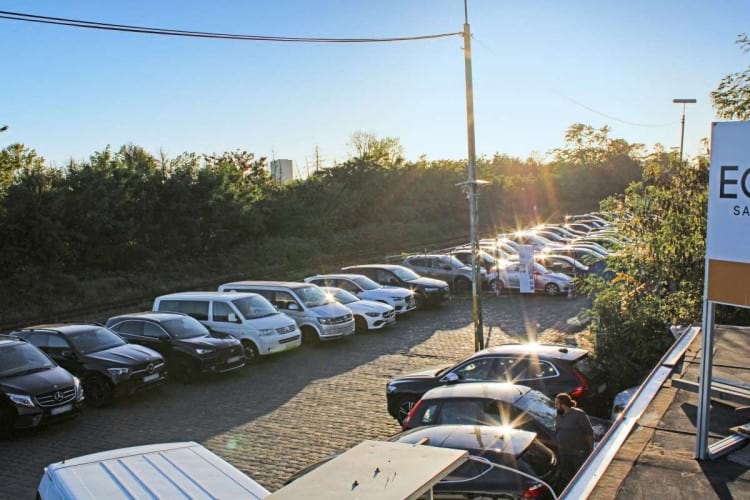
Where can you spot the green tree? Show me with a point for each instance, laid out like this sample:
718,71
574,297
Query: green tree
368,147
731,98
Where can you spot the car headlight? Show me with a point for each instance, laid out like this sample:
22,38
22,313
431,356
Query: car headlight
22,400
373,315
325,321
78,387
204,351
391,388
266,332
118,372
431,289
397,298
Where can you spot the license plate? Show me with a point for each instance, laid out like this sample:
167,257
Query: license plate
61,409
233,359
149,378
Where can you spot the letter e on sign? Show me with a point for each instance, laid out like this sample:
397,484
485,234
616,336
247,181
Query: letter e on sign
728,231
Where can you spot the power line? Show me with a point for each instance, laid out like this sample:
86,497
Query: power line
77,23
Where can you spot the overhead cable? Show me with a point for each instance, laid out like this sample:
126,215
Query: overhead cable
77,23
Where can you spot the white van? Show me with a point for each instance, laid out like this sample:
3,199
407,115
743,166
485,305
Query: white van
249,317
318,315
172,470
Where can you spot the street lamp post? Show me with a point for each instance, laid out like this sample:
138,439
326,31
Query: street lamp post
682,132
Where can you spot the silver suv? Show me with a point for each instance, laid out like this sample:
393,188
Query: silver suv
443,267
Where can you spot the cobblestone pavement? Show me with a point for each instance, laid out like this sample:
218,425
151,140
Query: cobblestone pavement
274,418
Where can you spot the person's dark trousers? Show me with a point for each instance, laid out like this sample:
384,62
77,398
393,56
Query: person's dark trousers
568,465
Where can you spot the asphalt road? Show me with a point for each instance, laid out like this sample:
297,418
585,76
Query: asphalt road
290,410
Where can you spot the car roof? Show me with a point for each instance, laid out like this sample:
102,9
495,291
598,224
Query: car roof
350,276
283,284
471,437
63,328
149,315
206,295
388,267
6,340
548,351
169,470
498,391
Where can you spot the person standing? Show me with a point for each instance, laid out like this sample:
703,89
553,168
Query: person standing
575,437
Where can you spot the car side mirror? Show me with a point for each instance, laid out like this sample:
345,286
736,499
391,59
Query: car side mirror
293,307
449,378
164,337
232,318
68,354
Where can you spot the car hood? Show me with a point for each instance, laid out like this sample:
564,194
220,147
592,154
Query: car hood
388,291
423,374
560,277
207,342
126,355
332,310
38,383
276,321
369,306
428,282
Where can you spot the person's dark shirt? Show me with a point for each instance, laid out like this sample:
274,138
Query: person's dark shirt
574,433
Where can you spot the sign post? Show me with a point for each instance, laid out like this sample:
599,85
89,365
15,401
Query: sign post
727,274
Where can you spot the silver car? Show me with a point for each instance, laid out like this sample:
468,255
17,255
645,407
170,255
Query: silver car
509,276
443,267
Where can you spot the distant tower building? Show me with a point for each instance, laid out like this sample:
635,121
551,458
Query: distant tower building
282,170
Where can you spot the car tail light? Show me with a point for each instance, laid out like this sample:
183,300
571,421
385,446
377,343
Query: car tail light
536,491
583,385
412,412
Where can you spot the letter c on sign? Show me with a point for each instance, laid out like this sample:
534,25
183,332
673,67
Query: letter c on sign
723,181
744,185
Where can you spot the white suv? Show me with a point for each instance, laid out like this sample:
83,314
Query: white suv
401,299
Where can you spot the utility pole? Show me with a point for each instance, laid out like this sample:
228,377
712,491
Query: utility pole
472,188
682,131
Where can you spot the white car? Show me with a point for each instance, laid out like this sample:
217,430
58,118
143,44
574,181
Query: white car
368,315
401,299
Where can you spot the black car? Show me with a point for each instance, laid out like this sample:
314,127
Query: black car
427,291
492,403
34,390
188,346
107,365
550,369
487,445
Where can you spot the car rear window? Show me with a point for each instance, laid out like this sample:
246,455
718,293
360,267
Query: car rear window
537,459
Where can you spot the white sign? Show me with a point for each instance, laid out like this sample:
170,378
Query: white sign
728,232
526,271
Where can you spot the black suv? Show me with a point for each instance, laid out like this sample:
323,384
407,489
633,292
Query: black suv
185,343
107,365
550,369
427,291
33,389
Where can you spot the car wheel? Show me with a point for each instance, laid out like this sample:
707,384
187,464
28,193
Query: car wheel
184,369
551,289
360,324
462,285
6,421
310,336
251,352
99,392
404,407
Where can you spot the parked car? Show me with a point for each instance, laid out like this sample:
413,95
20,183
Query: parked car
549,369
533,239
401,299
318,316
427,291
171,470
545,281
493,403
562,264
368,314
486,260
182,340
107,365
248,317
34,390
476,478
444,267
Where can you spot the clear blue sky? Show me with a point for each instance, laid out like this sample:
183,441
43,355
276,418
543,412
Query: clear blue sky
67,92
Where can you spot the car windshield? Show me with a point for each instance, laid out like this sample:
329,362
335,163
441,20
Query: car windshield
312,296
185,328
452,261
95,340
405,274
540,407
344,297
22,358
366,283
254,307
540,268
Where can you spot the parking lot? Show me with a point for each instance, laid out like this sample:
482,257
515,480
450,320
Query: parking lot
272,419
